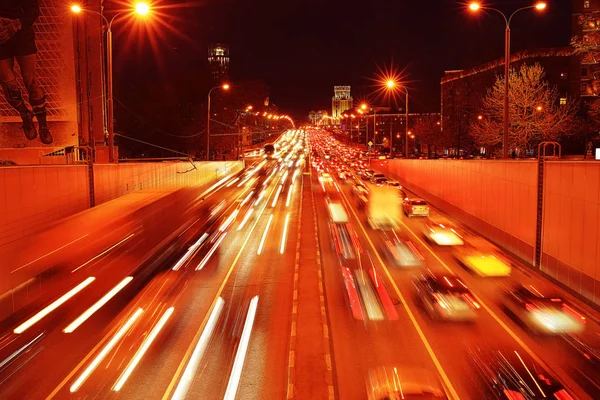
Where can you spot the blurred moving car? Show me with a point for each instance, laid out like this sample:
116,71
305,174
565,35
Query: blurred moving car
380,181
483,261
511,375
399,252
393,183
446,297
367,174
541,314
377,176
395,383
441,235
415,207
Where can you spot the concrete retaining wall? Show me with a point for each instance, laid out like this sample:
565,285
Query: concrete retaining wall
571,243
498,199
31,197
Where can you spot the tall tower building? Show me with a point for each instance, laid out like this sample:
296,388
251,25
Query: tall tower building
340,102
585,79
218,61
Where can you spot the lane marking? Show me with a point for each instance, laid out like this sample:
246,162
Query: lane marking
411,316
515,337
187,354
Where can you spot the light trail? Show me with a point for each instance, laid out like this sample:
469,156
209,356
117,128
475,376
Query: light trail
194,362
47,254
90,311
274,202
19,351
240,356
57,303
247,198
264,236
104,252
202,263
233,181
142,350
109,346
260,196
190,251
289,195
219,183
246,218
229,220
284,234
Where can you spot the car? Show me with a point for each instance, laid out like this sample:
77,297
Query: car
406,382
325,177
393,183
359,188
367,174
399,252
441,234
483,259
445,297
376,176
509,374
540,314
379,181
415,207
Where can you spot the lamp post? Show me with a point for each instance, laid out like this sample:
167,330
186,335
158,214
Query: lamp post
141,9
475,6
224,87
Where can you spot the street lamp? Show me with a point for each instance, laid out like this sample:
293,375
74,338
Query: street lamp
476,6
140,9
223,87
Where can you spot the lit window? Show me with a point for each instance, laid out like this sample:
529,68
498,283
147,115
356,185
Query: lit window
564,75
563,101
583,87
586,4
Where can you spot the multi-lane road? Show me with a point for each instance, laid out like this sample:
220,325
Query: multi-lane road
245,299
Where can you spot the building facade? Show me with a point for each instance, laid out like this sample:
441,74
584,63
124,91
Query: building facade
586,42
315,116
218,61
340,102
463,90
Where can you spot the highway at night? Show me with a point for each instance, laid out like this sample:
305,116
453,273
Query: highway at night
281,281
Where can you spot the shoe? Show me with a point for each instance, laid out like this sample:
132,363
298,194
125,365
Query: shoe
45,135
28,126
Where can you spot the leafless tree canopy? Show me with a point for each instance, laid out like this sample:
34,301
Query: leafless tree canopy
535,111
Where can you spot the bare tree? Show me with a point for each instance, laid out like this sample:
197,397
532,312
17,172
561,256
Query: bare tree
428,129
535,112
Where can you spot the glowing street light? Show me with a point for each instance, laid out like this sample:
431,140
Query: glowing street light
476,6
141,9
363,106
390,83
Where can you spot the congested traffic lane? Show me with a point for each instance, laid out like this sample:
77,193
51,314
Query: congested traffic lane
493,327
359,346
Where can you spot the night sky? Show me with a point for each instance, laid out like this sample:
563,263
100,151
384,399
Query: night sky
302,48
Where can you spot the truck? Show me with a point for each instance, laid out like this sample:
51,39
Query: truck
383,208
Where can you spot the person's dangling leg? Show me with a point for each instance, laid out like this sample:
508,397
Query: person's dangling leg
14,97
37,98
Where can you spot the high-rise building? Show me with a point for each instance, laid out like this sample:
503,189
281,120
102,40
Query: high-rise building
340,102
218,61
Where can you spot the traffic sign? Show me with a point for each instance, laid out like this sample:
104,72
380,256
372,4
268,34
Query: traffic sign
370,143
